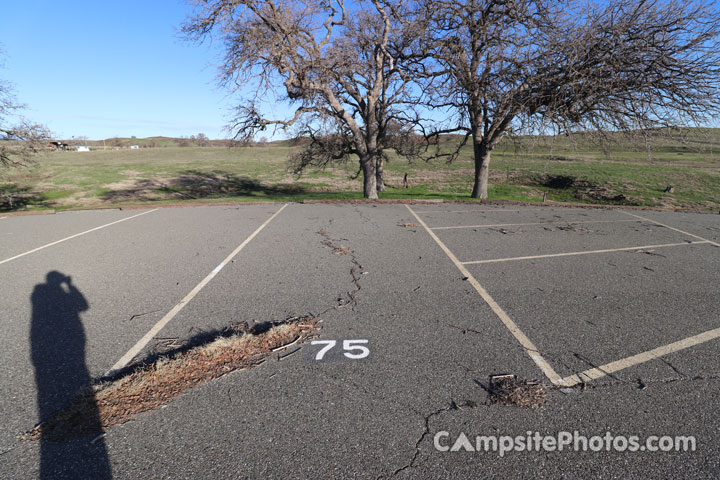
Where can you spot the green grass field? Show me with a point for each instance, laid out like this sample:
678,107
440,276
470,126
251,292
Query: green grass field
569,170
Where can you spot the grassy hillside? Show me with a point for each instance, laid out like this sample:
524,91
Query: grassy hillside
149,142
573,169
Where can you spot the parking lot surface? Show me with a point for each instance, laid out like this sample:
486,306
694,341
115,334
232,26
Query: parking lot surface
614,312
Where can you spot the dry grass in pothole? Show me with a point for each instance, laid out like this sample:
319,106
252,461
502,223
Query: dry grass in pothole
508,390
152,386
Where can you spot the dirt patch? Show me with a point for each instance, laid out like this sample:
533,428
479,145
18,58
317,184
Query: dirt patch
45,186
130,182
194,185
580,188
135,189
340,180
508,390
78,198
442,179
150,385
127,184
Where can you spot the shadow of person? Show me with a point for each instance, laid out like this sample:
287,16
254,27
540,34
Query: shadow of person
57,339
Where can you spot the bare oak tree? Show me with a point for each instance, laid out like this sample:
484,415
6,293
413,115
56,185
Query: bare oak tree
20,139
524,65
202,140
336,63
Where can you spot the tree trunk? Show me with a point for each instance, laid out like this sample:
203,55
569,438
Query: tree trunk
380,175
369,176
482,169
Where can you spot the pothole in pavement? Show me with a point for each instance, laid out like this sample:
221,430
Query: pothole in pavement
509,390
153,383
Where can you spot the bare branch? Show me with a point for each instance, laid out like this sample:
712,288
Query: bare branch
339,70
20,139
623,65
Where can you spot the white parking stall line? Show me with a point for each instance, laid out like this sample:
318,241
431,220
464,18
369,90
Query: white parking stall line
533,223
468,211
74,236
585,252
612,367
529,347
137,348
673,228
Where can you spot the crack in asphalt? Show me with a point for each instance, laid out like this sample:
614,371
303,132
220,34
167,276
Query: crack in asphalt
9,449
356,281
142,314
582,385
498,337
425,432
675,369
591,364
641,383
356,269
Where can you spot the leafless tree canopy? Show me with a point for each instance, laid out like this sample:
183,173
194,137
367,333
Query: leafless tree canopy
507,66
338,63
20,139
358,73
202,140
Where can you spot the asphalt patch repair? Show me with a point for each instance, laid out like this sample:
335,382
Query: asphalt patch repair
153,383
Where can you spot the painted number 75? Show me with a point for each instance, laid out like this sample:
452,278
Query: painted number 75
353,349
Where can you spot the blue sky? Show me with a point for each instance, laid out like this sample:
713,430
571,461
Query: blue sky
102,69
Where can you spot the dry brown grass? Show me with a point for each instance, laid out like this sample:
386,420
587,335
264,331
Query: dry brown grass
152,386
328,242
508,390
341,250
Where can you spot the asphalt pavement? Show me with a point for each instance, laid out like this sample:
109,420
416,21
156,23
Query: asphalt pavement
615,312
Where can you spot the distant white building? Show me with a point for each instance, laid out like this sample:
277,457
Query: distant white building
134,147
83,148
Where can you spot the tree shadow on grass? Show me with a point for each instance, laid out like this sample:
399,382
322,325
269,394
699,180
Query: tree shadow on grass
577,188
13,198
193,184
